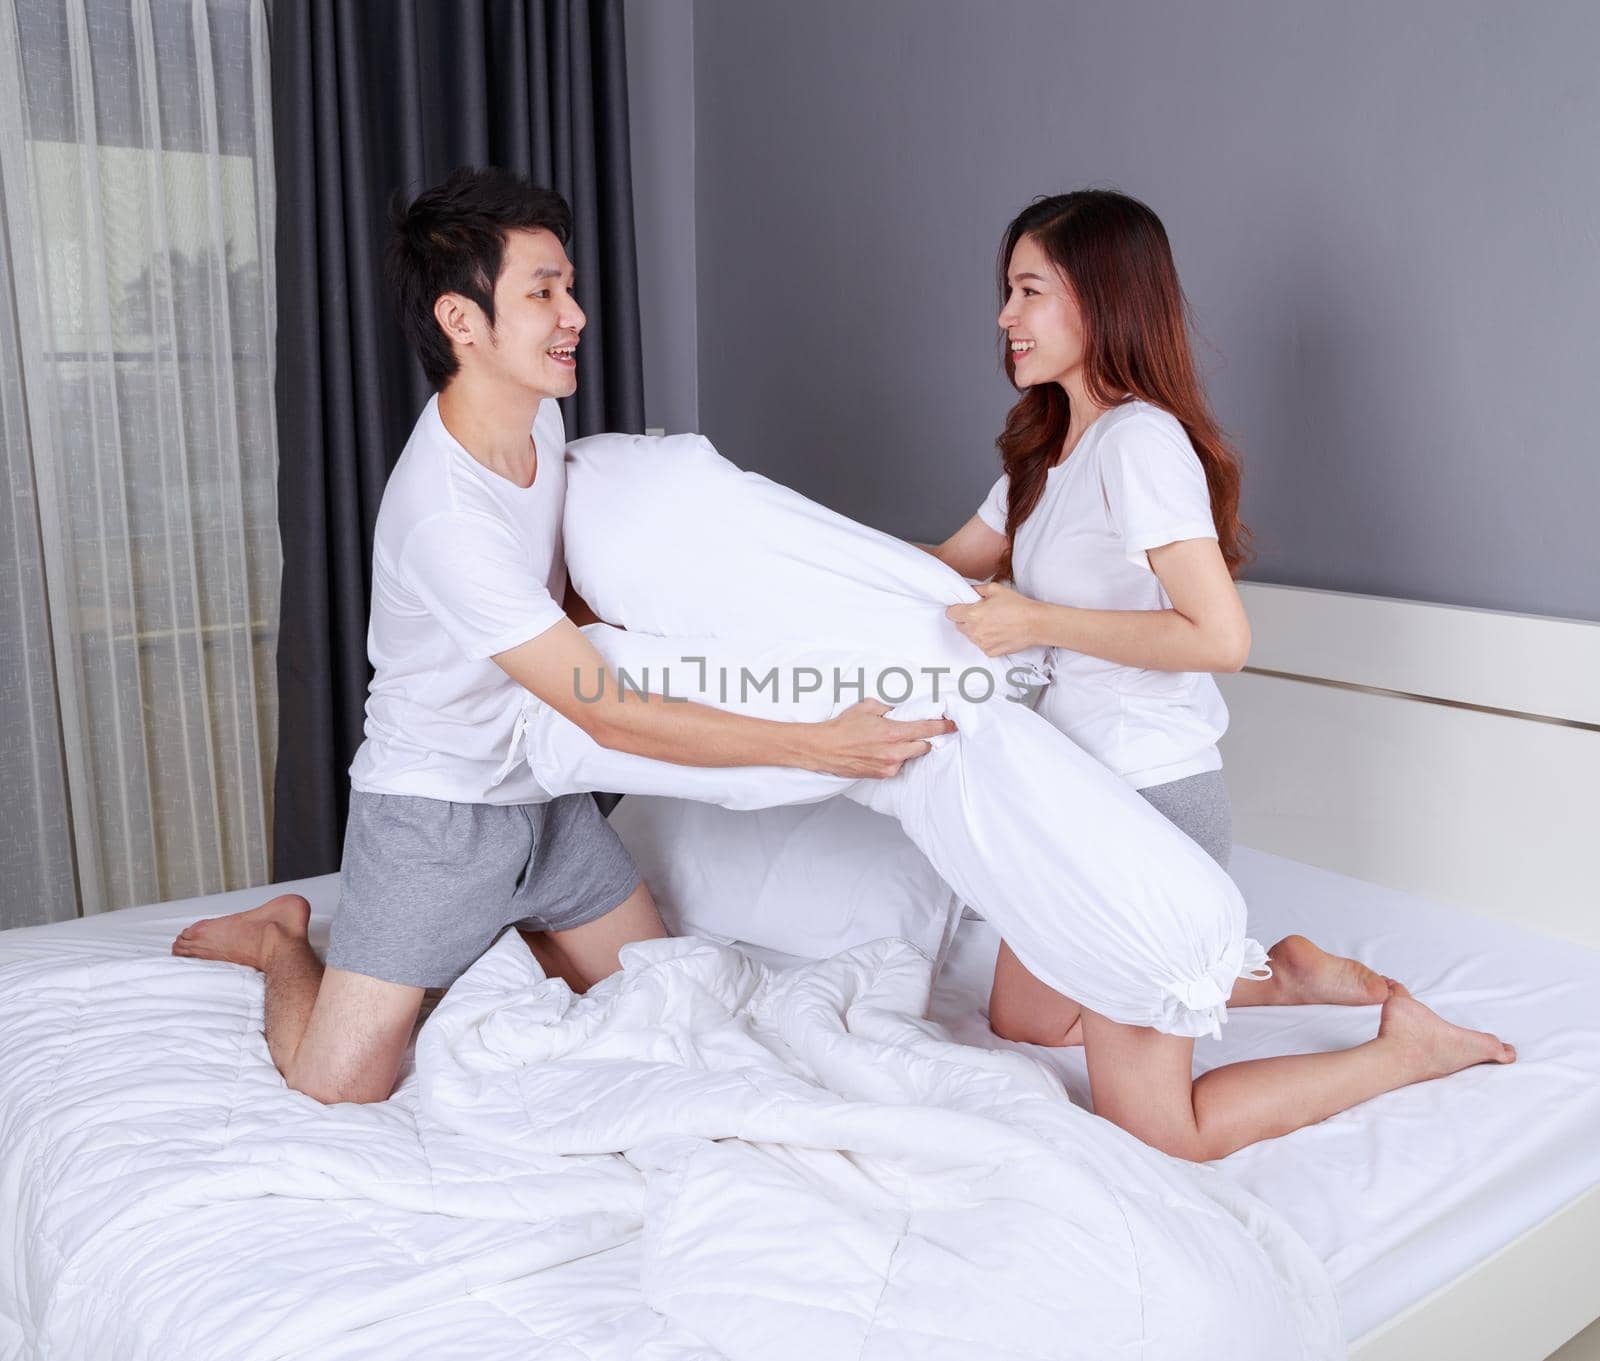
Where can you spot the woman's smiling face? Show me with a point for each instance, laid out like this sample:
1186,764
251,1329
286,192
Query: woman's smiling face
1043,325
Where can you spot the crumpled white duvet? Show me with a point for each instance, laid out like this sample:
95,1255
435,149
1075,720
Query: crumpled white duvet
799,1166
715,574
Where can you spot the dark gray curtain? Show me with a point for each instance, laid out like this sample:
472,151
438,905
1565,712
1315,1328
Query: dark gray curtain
370,96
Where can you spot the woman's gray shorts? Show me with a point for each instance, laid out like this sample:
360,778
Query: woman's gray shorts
1198,805
426,885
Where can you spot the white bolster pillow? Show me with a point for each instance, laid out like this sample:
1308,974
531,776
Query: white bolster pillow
715,572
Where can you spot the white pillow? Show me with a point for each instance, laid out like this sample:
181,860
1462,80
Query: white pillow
807,880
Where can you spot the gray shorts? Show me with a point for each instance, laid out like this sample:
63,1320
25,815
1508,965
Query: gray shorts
1198,805
426,885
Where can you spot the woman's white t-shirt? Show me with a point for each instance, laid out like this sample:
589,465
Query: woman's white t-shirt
465,564
1132,483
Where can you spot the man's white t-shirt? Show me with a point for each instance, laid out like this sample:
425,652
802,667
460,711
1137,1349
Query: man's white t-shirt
1132,483
465,564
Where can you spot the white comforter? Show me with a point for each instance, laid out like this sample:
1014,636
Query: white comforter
703,1157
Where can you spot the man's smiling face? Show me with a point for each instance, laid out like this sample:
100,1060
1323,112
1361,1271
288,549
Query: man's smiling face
537,321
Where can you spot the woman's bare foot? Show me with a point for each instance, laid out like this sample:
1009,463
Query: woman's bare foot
1432,1046
243,937
1305,974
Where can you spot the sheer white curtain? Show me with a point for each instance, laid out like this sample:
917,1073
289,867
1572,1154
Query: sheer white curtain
139,557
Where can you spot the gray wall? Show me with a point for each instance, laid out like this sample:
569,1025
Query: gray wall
1387,217
660,42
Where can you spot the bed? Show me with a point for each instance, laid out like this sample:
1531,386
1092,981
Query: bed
1449,753
1456,1219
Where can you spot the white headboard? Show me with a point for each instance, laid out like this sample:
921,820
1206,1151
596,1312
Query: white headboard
1452,753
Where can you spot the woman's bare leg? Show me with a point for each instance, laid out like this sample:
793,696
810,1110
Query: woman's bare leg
1022,1008
1142,1079
1304,974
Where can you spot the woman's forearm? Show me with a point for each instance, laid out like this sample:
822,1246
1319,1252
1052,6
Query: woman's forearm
1155,640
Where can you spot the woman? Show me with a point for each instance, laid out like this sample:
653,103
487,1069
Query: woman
1116,518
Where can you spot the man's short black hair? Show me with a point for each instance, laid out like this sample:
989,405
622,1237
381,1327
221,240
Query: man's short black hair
452,239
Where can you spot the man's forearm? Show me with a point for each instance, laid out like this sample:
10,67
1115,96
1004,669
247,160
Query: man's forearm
561,667
689,734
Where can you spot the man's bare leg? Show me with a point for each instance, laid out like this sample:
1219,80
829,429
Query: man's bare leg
1143,1081
334,1035
1023,1009
586,954
275,934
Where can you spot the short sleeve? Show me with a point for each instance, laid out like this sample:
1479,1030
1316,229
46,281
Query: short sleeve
474,577
1155,486
993,510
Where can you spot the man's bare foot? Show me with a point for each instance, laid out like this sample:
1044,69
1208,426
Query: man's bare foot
244,937
1303,974
1433,1047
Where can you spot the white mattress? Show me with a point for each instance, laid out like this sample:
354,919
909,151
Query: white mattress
1398,1197
1401,1195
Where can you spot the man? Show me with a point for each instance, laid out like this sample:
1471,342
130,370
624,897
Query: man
448,843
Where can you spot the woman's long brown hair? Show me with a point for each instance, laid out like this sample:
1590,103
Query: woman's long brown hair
1113,253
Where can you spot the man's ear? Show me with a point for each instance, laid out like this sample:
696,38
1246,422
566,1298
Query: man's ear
458,317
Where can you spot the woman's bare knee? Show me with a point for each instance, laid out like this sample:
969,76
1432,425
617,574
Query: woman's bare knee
1010,1027
1023,1009
1021,1025
1143,1082
1175,1140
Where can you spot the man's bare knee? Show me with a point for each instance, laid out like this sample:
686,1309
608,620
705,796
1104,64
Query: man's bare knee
355,1041
360,1077
362,1091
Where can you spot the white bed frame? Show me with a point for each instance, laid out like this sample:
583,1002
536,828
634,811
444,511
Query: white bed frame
1455,754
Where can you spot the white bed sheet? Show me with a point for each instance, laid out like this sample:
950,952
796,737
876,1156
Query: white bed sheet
1403,1194
1398,1197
